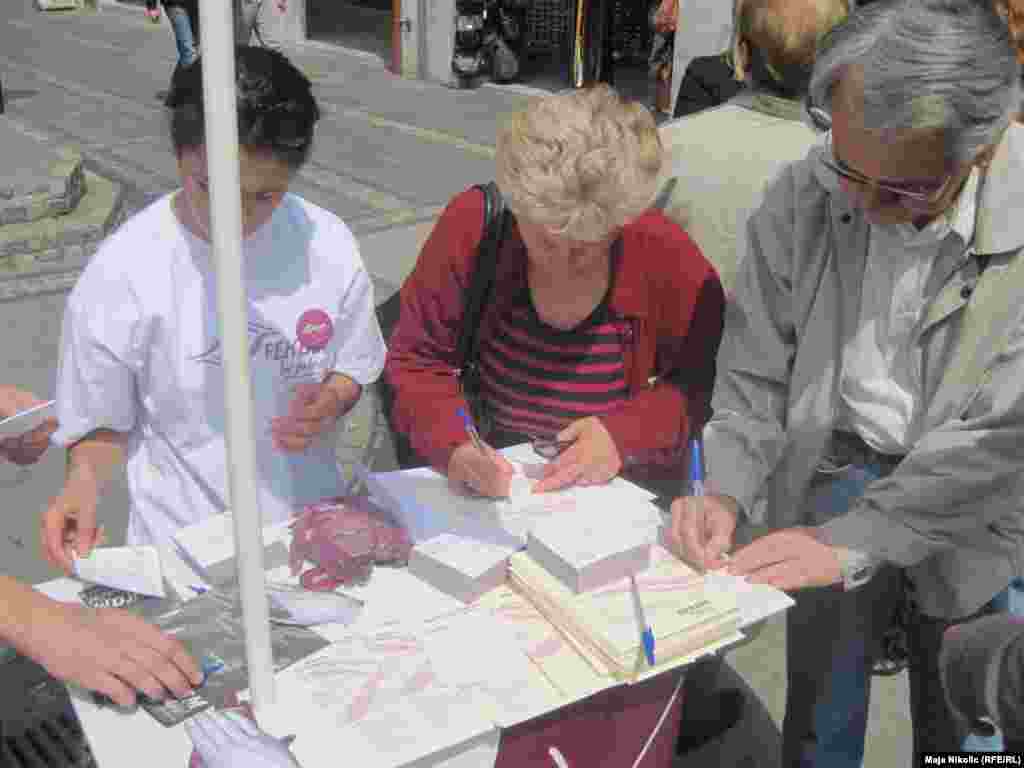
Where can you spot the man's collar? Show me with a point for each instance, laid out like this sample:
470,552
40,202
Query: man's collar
999,226
963,215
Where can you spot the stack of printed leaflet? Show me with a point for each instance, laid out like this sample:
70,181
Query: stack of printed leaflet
603,625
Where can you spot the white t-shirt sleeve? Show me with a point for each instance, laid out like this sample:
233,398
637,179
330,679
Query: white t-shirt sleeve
361,351
100,356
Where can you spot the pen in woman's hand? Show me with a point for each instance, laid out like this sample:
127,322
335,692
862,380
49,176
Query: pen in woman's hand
471,430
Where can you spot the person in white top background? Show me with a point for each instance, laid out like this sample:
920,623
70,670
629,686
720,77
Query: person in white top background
839,395
140,378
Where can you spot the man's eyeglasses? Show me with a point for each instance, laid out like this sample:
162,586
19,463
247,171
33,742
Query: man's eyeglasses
920,195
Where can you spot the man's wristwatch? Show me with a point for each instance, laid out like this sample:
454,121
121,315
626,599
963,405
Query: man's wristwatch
857,567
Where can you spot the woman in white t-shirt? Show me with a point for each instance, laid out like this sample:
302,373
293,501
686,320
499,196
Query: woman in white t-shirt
140,378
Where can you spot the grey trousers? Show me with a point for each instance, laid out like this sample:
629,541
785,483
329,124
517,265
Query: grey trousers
258,19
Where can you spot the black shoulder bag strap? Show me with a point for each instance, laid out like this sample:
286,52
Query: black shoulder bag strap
484,270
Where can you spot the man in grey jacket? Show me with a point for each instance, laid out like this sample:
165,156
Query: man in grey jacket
840,399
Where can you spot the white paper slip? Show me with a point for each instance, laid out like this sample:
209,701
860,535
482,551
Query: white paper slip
587,550
393,597
477,655
373,698
306,608
462,567
27,420
133,569
755,602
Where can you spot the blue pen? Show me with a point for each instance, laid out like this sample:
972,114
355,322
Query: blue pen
471,429
646,633
696,475
696,478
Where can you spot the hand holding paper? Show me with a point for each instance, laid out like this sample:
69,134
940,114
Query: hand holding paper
26,426
133,569
482,470
231,740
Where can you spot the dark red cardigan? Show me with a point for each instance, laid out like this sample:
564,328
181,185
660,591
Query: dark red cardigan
664,286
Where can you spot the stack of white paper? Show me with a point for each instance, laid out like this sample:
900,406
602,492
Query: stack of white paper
459,566
586,550
422,500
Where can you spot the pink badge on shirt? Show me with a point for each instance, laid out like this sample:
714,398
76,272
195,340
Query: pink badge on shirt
314,329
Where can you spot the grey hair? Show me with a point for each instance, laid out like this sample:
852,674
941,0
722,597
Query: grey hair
946,65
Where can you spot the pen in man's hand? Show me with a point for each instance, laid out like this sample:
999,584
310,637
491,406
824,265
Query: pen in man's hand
471,430
696,478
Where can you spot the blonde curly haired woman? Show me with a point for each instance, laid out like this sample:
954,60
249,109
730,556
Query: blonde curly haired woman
603,321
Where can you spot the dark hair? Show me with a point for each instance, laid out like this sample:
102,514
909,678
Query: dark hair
276,107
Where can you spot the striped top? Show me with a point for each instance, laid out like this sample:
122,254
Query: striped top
537,379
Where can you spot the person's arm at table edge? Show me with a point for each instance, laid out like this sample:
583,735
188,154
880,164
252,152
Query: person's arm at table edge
108,650
426,390
18,604
682,393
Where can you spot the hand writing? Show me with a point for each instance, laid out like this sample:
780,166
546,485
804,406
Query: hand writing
703,529
592,459
487,472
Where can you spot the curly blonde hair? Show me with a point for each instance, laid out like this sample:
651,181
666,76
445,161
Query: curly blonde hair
582,163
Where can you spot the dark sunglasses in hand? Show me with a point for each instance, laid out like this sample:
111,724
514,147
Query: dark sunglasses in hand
549,447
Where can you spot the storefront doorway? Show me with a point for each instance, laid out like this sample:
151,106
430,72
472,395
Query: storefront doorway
362,25
547,49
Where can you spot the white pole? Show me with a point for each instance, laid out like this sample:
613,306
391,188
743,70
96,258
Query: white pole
221,130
